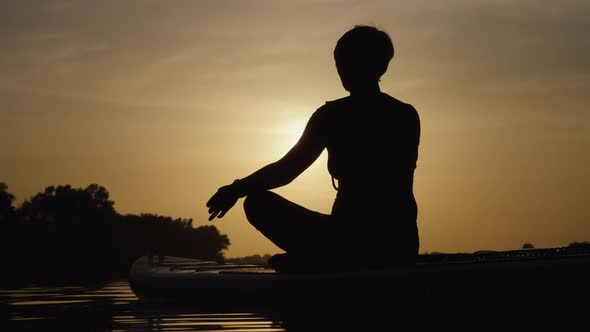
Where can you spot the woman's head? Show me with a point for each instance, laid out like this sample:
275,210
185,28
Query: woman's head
362,55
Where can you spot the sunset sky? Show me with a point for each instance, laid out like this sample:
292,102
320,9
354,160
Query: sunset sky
162,102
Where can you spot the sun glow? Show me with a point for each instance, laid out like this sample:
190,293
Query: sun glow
288,127
291,132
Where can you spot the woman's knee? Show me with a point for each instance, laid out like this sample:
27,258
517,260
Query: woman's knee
256,206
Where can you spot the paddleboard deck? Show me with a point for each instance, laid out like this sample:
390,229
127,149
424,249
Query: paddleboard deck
517,274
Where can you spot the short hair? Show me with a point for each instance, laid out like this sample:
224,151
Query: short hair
364,47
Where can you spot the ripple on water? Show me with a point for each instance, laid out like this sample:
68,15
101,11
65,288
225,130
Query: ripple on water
114,307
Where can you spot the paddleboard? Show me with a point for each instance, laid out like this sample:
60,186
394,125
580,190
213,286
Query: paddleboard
522,274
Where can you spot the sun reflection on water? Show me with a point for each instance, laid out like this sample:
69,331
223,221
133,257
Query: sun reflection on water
114,307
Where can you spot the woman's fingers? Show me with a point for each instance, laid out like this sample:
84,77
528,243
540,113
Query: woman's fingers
218,209
223,212
222,209
213,214
226,207
211,200
220,203
214,200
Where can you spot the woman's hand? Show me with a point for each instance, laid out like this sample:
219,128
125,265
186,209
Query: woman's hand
222,201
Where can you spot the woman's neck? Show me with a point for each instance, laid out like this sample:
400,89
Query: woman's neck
366,90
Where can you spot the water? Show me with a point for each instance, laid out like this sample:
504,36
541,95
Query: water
114,307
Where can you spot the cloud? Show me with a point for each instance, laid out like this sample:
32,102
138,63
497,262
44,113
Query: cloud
129,49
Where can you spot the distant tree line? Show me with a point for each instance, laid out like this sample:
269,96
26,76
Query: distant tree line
75,234
580,245
261,260
583,244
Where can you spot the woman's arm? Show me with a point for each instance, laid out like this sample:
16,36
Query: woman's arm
282,172
277,174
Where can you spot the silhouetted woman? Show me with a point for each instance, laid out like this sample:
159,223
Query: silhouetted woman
372,141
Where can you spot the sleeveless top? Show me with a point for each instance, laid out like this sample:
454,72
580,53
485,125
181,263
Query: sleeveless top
372,145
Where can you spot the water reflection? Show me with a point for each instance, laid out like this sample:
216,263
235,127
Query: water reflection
199,322
114,307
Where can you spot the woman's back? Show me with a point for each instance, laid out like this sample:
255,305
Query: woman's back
372,142
372,146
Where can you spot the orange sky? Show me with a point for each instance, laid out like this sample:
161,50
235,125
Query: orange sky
163,101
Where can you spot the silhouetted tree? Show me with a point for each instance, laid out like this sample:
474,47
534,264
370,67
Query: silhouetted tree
173,237
528,246
75,233
253,260
9,227
65,205
6,199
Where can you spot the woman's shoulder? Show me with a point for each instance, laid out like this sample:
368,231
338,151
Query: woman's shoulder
398,103
407,110
384,99
336,103
330,108
388,102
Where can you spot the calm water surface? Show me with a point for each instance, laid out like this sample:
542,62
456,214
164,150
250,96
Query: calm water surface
114,307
